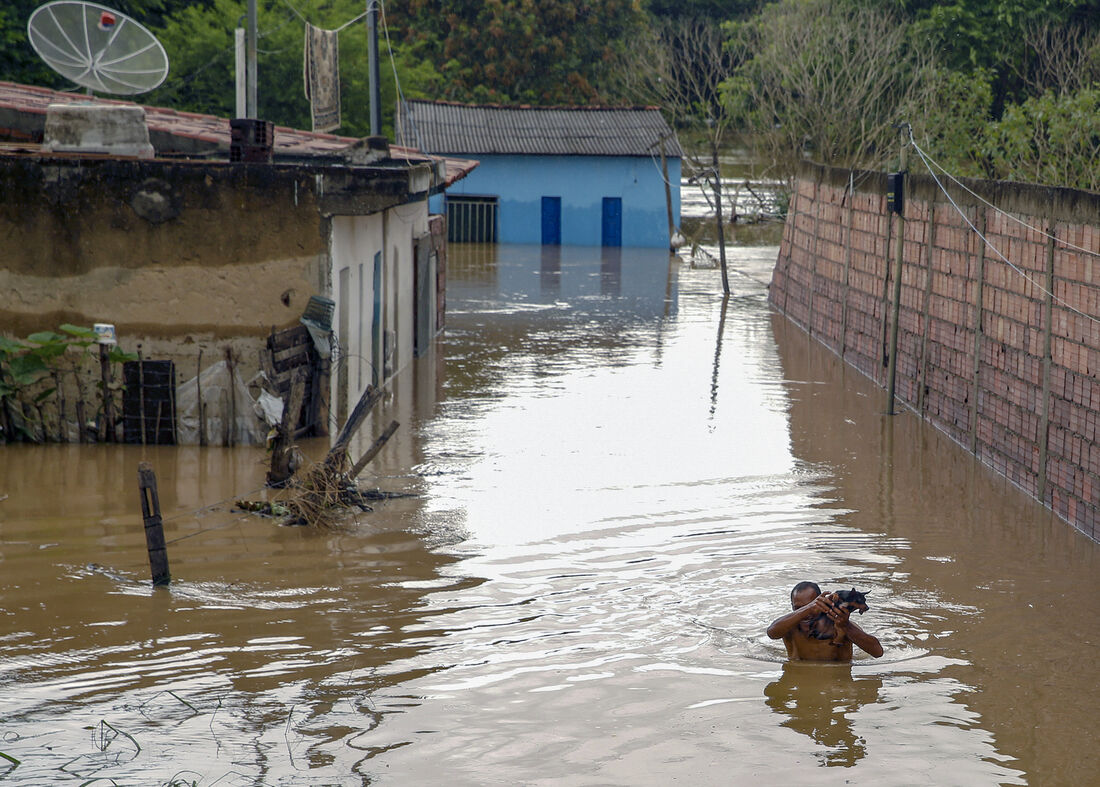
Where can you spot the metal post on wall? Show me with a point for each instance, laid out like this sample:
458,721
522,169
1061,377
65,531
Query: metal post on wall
898,206
251,95
372,60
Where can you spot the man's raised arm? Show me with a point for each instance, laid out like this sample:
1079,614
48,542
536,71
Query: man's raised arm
782,625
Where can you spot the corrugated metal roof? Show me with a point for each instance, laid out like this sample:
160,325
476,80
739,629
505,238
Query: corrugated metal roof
447,128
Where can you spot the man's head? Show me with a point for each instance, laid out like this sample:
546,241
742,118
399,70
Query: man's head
803,594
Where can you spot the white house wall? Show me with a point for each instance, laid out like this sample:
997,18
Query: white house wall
355,240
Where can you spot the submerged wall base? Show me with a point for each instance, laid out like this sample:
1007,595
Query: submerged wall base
998,342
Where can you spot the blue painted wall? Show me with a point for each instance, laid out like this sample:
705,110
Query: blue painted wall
582,182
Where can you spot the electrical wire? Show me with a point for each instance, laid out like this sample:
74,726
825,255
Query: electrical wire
398,124
993,248
982,199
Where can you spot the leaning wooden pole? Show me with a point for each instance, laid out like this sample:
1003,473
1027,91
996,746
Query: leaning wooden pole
719,219
367,401
375,447
154,526
668,188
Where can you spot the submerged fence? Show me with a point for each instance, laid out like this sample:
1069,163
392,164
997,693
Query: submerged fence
998,321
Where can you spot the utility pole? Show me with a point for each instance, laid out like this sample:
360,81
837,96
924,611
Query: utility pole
372,58
251,101
899,203
668,186
240,47
718,208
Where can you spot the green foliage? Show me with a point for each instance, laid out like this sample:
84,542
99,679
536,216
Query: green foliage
953,126
712,9
199,41
546,52
826,80
1051,139
27,365
991,35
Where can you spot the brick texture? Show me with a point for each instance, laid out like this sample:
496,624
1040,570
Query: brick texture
976,318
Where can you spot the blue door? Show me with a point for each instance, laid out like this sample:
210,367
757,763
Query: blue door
376,322
551,221
612,221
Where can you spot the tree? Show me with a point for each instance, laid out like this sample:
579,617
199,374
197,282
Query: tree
827,80
519,51
681,65
1049,139
1060,57
199,40
992,35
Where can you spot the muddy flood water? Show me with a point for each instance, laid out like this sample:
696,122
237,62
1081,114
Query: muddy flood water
617,482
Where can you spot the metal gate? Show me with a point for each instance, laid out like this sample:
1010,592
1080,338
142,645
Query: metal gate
472,219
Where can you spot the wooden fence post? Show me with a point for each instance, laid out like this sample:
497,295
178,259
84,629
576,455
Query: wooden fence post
1048,329
843,343
926,309
979,317
154,527
108,431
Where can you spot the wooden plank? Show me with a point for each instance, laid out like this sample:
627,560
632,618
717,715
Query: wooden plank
283,357
283,462
281,340
154,526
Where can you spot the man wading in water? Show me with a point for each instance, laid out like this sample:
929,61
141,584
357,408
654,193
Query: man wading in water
793,628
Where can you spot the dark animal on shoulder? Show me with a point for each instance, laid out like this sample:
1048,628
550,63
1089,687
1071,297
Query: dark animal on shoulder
821,627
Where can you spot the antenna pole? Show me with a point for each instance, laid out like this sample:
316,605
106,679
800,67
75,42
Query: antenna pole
251,98
239,46
372,57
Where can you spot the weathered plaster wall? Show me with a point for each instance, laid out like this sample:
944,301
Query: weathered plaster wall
355,242
1004,361
163,250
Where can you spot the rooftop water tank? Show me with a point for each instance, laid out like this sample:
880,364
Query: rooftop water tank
85,127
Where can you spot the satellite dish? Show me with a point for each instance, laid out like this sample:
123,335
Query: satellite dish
98,48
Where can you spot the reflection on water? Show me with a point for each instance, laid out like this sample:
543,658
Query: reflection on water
821,701
618,477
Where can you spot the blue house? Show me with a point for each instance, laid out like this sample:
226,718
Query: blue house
587,176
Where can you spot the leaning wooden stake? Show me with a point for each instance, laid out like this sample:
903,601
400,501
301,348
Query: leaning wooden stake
154,527
375,447
367,401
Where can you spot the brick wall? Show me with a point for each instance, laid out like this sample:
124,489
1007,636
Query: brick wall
1002,357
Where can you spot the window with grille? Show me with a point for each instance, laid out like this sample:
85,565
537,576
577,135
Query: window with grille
471,219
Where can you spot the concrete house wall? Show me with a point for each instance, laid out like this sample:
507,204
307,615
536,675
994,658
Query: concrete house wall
521,181
191,261
356,242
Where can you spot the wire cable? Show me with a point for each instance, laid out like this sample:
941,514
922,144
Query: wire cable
399,132
982,199
994,249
